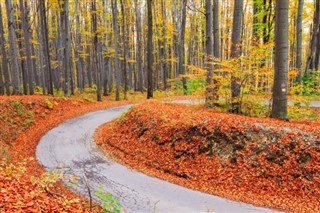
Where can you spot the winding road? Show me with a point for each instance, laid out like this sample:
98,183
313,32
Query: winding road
70,149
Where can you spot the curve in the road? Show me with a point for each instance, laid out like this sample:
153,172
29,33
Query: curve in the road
70,149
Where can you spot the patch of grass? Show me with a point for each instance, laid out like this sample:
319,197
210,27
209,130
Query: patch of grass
109,202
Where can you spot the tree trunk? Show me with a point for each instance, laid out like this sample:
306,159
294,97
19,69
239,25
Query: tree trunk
256,11
311,61
235,53
299,41
4,60
280,88
209,53
96,56
125,47
13,48
139,45
149,50
27,37
22,58
45,47
164,50
116,43
216,30
79,60
182,61
67,46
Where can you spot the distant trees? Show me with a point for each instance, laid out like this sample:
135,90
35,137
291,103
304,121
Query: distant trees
116,46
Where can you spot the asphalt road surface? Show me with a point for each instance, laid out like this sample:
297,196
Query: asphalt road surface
70,149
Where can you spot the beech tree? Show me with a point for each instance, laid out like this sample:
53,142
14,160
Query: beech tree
4,68
13,49
149,50
299,41
27,37
209,53
280,88
235,53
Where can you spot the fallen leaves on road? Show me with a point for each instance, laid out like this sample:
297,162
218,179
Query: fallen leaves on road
265,162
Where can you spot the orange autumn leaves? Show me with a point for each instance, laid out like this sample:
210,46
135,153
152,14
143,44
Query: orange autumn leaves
18,194
23,121
261,161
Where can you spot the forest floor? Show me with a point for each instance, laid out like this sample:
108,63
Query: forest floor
24,185
262,161
24,120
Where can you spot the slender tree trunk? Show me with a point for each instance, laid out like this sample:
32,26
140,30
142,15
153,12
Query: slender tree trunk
67,46
235,53
125,47
256,11
139,45
45,46
116,43
216,29
4,60
96,55
1,82
79,60
149,50
280,88
164,51
182,61
299,41
209,53
27,37
22,58
13,48
313,43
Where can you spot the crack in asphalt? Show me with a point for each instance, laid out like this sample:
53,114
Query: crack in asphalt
69,149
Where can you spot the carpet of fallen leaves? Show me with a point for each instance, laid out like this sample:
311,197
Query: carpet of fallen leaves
265,162
23,121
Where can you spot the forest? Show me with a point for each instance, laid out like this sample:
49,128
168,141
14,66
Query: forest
216,96
121,46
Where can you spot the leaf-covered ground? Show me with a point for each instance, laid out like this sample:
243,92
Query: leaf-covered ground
265,162
23,121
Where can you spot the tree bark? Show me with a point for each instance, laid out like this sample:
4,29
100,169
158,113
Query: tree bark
299,41
4,60
216,30
311,61
116,43
27,37
47,75
236,53
182,60
209,53
164,50
67,46
125,48
280,88
96,56
13,48
149,50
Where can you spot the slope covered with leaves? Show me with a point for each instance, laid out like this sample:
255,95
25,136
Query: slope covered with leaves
23,121
260,161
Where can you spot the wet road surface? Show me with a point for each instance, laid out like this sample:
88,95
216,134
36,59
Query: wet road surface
69,149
